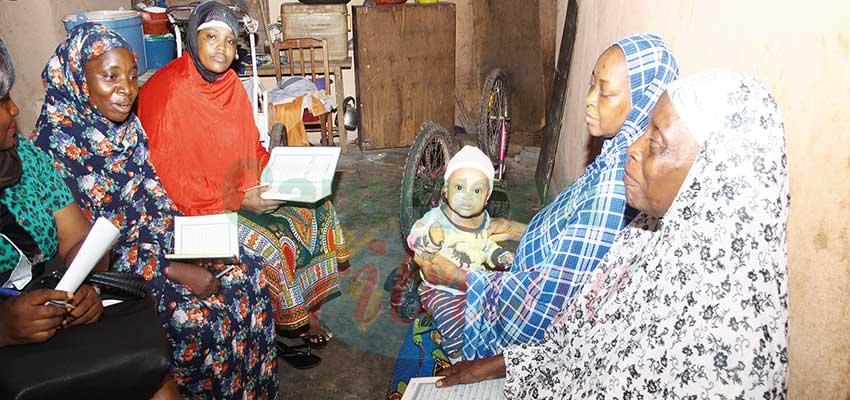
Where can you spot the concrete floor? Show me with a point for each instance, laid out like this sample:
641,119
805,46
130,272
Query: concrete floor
358,363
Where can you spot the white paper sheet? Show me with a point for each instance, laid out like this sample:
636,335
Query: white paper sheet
110,302
97,243
425,389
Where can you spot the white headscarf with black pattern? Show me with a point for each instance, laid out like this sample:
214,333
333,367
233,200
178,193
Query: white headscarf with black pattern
693,305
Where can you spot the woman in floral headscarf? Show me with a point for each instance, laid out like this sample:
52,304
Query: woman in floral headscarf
221,331
691,301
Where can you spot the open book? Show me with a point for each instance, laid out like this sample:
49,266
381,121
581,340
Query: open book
300,174
214,237
425,389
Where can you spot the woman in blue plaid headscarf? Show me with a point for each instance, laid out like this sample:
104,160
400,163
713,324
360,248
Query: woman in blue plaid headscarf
566,240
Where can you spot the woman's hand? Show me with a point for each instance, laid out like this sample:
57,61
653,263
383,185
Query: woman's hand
502,229
254,203
87,306
472,371
26,319
441,271
198,279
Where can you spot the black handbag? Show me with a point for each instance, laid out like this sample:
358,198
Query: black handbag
125,355
112,284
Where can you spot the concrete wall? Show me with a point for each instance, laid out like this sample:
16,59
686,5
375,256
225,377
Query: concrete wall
801,50
32,29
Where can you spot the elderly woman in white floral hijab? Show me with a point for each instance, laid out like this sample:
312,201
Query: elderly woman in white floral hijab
691,300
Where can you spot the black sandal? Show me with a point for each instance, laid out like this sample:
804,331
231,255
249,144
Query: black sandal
317,342
296,358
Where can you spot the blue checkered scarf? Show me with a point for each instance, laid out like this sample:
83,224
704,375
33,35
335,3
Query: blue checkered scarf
566,240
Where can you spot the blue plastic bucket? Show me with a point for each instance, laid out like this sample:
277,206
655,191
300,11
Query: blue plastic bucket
160,50
128,24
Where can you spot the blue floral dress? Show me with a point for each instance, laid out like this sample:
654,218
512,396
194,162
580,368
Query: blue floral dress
223,345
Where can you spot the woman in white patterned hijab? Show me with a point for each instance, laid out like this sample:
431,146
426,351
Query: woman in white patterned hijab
691,300
692,304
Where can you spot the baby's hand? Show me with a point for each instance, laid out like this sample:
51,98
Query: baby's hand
506,259
436,234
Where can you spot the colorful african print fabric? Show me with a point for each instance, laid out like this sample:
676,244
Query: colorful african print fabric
206,146
302,248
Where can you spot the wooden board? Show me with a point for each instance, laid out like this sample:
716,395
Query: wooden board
404,70
508,36
555,113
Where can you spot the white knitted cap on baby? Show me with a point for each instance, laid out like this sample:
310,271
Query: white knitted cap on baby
471,157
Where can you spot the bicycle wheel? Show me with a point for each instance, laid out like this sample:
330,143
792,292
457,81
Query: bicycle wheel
422,182
495,111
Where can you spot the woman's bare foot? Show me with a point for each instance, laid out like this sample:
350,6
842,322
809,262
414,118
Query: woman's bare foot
168,390
319,335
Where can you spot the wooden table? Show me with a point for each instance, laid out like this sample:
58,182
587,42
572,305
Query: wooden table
336,67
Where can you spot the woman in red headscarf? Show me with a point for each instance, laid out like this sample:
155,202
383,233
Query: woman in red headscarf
206,149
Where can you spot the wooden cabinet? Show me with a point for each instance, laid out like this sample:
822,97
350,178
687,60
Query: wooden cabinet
404,70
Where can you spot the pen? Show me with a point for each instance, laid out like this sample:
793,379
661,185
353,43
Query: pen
9,292
255,187
66,306
226,270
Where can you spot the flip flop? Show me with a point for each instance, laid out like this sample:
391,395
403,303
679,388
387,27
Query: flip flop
296,358
317,342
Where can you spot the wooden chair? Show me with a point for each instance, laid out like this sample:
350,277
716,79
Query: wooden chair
306,57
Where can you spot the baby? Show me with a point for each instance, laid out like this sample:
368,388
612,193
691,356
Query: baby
457,230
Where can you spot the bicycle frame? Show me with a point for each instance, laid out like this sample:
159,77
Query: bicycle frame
503,149
504,128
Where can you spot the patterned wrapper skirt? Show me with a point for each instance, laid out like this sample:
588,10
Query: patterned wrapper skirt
303,248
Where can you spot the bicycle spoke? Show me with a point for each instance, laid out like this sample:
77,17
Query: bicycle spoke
429,173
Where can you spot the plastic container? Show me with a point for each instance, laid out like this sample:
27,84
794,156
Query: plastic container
160,49
318,21
128,24
324,1
155,21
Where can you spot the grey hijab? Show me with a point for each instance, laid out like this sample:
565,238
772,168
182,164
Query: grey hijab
10,161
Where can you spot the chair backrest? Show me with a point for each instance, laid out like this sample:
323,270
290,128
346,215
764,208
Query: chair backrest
307,57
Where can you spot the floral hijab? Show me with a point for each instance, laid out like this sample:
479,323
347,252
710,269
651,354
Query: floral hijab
104,164
693,304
